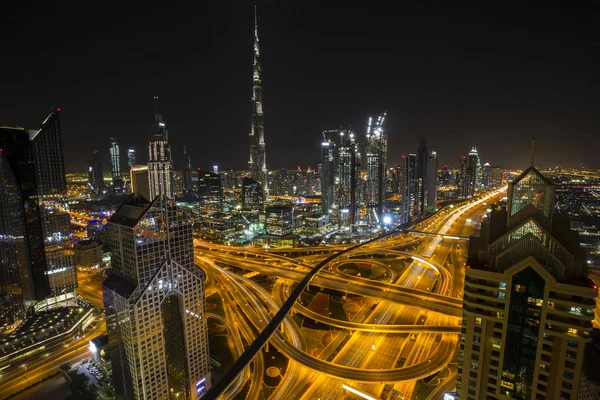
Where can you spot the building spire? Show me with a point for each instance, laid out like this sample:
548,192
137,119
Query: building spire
255,24
156,105
532,150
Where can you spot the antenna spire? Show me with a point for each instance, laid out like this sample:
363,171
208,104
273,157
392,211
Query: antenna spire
255,23
156,105
532,150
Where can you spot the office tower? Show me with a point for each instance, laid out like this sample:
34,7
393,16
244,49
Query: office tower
47,156
445,176
376,160
432,180
140,186
154,303
160,165
95,173
23,278
421,177
472,178
115,165
409,187
257,166
528,301
462,176
349,177
131,157
252,194
485,175
496,176
188,185
210,191
392,180
279,220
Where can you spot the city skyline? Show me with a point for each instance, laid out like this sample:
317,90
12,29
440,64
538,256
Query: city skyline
507,75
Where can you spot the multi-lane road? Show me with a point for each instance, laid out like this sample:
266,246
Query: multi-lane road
409,334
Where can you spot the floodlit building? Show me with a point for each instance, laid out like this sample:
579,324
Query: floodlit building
409,187
154,304
140,185
528,301
257,164
115,165
160,165
422,164
432,182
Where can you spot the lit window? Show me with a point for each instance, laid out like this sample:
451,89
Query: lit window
478,320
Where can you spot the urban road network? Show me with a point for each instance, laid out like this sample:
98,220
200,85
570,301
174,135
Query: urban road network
410,318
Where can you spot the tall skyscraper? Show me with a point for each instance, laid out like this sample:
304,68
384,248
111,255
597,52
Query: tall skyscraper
409,187
154,303
115,164
160,165
472,179
421,177
432,181
462,180
210,191
131,157
23,278
257,165
95,173
376,154
348,177
188,185
528,301
46,146
252,194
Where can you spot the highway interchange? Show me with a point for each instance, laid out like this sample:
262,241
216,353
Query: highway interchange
407,331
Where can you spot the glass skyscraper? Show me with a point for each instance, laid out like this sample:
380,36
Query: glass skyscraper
47,156
154,303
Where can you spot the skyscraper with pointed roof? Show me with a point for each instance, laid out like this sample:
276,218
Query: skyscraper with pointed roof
257,164
528,301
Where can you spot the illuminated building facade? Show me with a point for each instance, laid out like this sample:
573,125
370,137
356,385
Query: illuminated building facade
95,173
131,157
188,185
23,278
473,174
210,191
160,165
257,165
376,162
154,304
115,165
409,187
252,194
348,177
432,181
528,302
462,176
139,180
47,154
421,177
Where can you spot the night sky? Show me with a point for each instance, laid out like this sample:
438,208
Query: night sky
461,77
